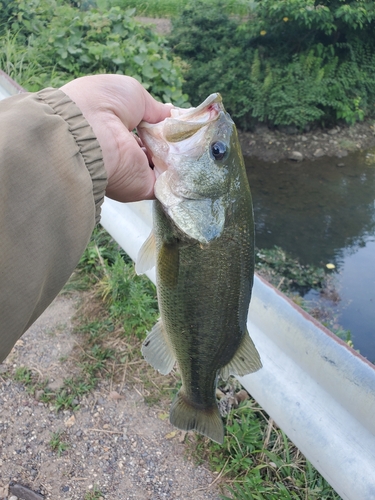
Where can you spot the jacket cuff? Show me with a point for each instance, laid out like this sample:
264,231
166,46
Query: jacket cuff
85,138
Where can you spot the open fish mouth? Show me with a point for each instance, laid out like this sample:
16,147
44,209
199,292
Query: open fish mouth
180,134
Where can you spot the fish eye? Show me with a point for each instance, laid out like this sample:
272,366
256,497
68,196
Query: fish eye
218,150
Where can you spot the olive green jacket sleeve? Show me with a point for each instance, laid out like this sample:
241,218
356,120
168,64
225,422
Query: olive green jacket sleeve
52,183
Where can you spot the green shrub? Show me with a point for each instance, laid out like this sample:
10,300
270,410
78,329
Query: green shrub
68,43
25,17
290,62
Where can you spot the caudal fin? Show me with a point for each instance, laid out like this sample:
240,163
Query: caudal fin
185,416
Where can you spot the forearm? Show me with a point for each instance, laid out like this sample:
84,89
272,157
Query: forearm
52,182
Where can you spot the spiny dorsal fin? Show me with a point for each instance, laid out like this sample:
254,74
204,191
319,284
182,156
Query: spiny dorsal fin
246,360
146,256
157,351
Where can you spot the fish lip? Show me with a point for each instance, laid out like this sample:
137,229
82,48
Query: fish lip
192,121
209,102
183,114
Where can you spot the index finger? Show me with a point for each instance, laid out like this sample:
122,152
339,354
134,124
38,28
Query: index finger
131,102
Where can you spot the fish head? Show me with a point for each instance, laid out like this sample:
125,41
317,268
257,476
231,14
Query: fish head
196,157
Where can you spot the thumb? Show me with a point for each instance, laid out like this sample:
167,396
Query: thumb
132,179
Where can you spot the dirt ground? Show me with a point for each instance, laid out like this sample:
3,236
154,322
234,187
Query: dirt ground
116,443
161,25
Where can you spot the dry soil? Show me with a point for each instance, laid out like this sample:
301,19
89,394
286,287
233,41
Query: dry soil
116,443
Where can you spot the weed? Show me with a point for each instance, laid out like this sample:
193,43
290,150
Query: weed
57,443
259,462
287,273
24,375
131,298
68,43
30,379
15,60
94,494
295,280
284,64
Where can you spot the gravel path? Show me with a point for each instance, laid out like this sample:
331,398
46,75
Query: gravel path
115,443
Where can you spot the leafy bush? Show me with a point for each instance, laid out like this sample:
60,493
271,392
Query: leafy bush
67,43
290,62
25,17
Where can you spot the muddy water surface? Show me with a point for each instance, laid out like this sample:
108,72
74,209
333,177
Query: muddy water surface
322,212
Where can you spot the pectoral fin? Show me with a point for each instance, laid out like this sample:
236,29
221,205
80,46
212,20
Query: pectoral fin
246,360
203,220
146,256
157,351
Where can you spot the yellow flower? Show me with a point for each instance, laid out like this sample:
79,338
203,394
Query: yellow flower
330,266
263,32
285,19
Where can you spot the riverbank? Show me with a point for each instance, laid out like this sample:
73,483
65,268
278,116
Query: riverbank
287,144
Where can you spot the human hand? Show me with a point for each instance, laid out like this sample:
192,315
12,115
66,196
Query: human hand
114,105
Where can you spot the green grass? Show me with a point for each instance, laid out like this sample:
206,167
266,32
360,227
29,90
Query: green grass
18,62
170,8
130,299
258,461
23,375
14,61
94,494
57,442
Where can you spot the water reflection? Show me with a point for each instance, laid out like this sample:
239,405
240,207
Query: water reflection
324,212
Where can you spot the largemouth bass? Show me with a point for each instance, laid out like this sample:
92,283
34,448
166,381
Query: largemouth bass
203,247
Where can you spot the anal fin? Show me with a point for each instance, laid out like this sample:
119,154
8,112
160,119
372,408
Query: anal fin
157,351
246,360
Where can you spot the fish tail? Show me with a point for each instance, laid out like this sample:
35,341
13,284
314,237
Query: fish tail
186,416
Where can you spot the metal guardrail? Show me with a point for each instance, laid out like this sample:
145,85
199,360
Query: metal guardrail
316,388
8,87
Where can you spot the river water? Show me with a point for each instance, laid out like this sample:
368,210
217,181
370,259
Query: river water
324,212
